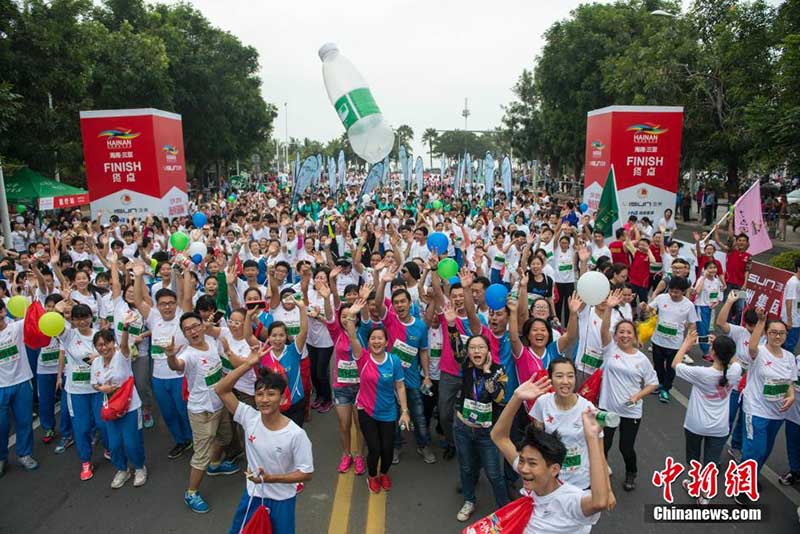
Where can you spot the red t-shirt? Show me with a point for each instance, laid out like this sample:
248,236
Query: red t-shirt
736,263
618,253
639,273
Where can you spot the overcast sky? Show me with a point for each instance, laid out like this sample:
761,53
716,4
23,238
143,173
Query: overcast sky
420,57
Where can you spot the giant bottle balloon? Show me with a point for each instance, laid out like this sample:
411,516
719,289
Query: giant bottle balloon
370,135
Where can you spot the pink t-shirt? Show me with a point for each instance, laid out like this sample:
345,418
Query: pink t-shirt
448,363
345,371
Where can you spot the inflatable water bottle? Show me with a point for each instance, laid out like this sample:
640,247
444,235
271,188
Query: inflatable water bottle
370,135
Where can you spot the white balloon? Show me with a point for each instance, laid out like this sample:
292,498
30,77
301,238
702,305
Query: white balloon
272,203
593,288
197,248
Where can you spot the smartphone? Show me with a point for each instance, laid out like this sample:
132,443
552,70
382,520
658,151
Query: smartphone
703,339
741,294
258,304
217,317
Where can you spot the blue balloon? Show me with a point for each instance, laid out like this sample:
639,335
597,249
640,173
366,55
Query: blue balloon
454,280
437,243
583,207
199,219
197,258
496,296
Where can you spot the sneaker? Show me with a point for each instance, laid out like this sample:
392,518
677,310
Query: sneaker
466,511
140,477
736,454
687,359
325,407
630,482
663,396
374,484
179,449
120,479
147,420
223,468
195,502
427,454
299,488
28,463
386,482
49,436
86,471
360,466
657,390
396,457
63,444
790,479
344,463
449,452
316,403
107,454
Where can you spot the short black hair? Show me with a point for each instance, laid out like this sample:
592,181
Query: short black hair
678,282
549,445
165,292
266,379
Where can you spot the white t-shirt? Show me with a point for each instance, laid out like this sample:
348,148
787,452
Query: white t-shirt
163,332
623,375
741,337
590,341
792,292
277,452
768,379
793,414
559,512
203,370
318,335
14,366
47,362
121,309
97,305
497,258
569,425
707,413
599,252
564,264
673,318
117,372
76,347
711,293
246,384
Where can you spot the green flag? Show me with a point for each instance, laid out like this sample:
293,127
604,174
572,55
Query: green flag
607,210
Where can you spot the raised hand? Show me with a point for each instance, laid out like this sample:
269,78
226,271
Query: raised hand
575,302
389,274
138,268
614,298
533,390
450,312
323,290
466,278
356,307
365,290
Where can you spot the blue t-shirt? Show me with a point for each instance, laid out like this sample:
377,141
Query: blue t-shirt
391,371
405,341
290,361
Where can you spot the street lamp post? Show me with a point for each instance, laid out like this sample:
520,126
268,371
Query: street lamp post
4,210
286,132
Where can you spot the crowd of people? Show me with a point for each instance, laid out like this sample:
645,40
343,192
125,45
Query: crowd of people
327,302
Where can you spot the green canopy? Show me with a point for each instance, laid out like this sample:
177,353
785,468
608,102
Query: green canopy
27,186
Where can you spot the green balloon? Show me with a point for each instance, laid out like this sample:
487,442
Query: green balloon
231,198
179,241
447,268
437,204
21,208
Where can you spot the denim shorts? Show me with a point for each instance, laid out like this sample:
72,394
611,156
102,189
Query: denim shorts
345,395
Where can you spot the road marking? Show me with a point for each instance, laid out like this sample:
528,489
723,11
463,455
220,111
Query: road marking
376,514
769,474
340,513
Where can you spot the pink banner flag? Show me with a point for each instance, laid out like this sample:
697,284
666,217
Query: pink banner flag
749,219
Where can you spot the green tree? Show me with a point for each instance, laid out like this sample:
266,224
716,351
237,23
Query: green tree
403,136
429,136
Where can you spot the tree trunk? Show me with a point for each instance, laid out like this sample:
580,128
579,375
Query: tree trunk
733,177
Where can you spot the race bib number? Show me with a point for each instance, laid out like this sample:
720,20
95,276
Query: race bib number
405,352
81,375
775,390
347,372
213,375
9,353
49,358
436,357
564,267
499,259
157,350
714,295
477,413
133,330
655,268
667,329
592,359
293,327
227,366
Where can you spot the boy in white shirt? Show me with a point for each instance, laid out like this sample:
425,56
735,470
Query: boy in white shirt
278,451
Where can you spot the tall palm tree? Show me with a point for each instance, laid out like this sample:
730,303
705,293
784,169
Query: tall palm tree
430,136
404,134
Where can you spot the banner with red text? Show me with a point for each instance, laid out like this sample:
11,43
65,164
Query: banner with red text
644,145
134,162
765,285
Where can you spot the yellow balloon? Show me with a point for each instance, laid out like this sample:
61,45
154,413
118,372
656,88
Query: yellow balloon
17,306
51,324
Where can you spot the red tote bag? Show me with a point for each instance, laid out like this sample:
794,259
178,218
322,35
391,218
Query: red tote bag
117,406
34,338
590,390
510,519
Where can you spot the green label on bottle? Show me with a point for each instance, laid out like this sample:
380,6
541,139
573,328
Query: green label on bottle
355,105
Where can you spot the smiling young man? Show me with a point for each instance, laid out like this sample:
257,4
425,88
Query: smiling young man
278,451
559,506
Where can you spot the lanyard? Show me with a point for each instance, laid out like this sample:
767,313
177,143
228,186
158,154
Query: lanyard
476,391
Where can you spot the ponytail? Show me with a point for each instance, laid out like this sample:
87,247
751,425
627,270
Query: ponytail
724,349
